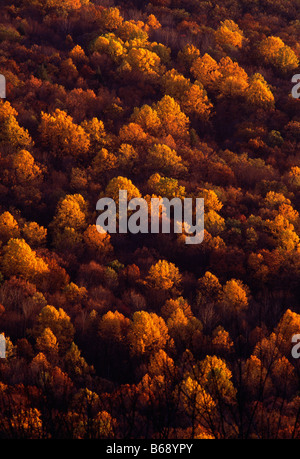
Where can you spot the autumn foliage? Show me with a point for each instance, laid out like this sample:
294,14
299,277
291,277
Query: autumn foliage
133,336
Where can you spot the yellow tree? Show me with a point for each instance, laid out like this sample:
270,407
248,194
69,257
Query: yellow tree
111,45
276,53
175,84
214,374
96,131
27,172
283,233
162,158
191,97
9,227
34,234
163,275
62,136
234,80
71,212
185,331
172,305
10,130
20,260
121,183
133,134
47,343
214,223
187,56
206,70
165,186
111,18
256,378
221,341
113,327
211,200
143,60
60,325
196,402
69,222
148,333
234,296
288,326
26,423
196,103
127,157
103,162
173,121
258,93
229,35
75,364
147,118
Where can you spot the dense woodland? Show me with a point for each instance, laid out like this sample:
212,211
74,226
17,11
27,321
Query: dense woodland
142,336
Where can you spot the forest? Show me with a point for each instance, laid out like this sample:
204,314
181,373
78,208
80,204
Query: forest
142,336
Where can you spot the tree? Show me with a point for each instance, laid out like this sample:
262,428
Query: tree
9,227
187,55
215,376
34,234
111,45
47,343
127,157
113,328
148,333
172,305
142,60
258,93
214,223
10,130
229,35
197,403
234,296
20,260
133,134
147,118
165,187
163,275
209,287
60,325
283,233
173,120
98,244
74,363
162,158
27,172
70,213
206,70
111,18
234,80
64,137
121,183
275,53
26,423
58,6
287,326
196,103
185,331
96,131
